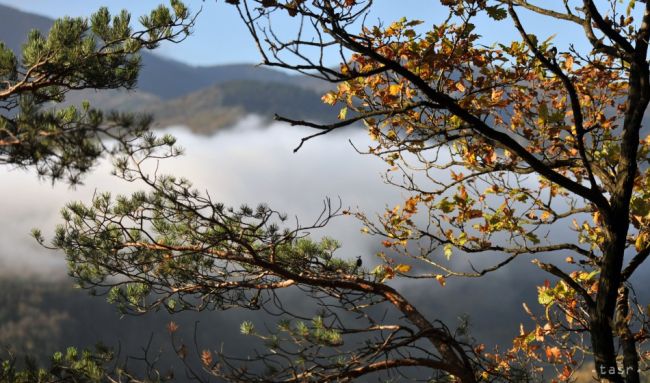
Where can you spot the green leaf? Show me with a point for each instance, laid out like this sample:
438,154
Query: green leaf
532,237
545,297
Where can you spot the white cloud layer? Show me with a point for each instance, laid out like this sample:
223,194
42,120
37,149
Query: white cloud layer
249,163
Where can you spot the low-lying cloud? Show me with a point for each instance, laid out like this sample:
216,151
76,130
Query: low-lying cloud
249,163
252,163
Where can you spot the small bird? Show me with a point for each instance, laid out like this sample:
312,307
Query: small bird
552,54
254,303
359,262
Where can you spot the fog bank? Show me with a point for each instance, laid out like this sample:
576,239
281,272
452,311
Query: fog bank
249,163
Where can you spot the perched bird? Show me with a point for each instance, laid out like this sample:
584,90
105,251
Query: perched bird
359,262
552,53
254,303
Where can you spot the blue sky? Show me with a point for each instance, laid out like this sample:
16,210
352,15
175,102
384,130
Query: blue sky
220,37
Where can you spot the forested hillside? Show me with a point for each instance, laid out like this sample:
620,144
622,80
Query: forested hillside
204,99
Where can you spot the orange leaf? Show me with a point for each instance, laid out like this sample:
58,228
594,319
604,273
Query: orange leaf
401,268
172,327
496,94
329,98
474,213
552,354
389,273
206,358
568,64
442,280
410,206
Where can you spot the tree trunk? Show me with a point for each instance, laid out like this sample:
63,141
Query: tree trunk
617,221
602,315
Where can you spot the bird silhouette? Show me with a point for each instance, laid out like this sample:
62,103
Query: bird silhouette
552,55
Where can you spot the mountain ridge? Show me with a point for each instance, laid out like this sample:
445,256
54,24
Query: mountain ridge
165,86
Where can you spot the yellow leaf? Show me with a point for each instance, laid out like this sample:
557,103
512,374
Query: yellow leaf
496,94
460,86
552,353
329,98
448,252
401,268
641,241
394,89
343,113
441,279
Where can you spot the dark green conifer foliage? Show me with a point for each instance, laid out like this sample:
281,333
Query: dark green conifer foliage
63,143
77,53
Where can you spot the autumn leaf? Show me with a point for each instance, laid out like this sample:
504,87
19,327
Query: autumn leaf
206,358
448,251
496,95
343,113
329,98
441,279
394,89
474,213
292,9
410,206
401,268
568,63
553,354
641,241
389,273
172,327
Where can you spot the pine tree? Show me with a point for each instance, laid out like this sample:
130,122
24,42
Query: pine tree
77,53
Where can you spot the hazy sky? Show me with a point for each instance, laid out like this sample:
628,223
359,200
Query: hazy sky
220,37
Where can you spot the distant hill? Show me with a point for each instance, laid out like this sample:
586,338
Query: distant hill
204,98
220,105
14,26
